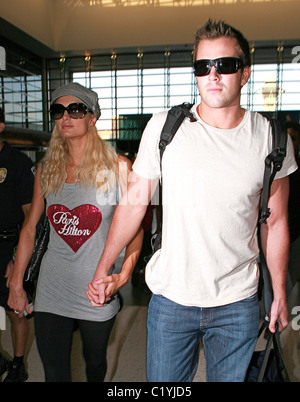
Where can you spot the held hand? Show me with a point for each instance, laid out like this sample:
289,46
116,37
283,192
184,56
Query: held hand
278,315
112,284
101,290
96,294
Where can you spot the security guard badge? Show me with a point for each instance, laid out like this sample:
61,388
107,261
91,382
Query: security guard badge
3,174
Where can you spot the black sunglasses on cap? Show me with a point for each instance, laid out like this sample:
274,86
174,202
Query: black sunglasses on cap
223,65
75,110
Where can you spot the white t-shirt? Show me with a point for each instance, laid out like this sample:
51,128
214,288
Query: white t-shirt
212,182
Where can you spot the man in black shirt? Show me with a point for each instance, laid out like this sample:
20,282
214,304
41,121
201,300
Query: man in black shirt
16,190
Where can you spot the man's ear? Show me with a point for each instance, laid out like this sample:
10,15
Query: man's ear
2,126
245,75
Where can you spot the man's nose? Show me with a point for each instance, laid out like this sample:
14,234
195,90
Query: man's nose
213,74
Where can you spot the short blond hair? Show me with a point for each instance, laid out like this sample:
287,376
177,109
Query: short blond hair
217,29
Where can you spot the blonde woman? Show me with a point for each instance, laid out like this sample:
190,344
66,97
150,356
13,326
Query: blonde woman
81,181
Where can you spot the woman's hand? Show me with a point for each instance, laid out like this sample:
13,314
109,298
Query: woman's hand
17,300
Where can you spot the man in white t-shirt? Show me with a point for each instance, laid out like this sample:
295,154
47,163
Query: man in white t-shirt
204,279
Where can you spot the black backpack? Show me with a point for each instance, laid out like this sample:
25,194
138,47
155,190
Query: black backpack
273,164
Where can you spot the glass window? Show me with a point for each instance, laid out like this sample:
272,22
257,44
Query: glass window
150,90
23,101
273,87
139,84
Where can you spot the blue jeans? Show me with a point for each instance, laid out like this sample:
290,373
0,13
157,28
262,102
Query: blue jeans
228,333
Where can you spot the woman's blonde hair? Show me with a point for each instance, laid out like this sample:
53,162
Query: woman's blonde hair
97,157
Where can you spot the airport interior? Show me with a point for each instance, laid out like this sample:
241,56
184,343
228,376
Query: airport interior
138,56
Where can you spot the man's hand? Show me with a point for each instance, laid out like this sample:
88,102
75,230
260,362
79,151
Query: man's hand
101,290
96,294
279,315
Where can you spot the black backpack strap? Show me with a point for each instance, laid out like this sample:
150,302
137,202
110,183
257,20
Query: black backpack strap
273,163
175,117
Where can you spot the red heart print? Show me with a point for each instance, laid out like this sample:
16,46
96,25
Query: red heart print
74,226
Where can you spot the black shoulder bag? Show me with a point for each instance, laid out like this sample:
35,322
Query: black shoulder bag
40,247
268,365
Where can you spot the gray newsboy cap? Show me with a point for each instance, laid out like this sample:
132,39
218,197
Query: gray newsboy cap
87,96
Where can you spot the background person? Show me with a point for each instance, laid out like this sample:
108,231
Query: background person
16,189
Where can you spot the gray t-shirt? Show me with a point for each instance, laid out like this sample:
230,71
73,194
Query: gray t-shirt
79,223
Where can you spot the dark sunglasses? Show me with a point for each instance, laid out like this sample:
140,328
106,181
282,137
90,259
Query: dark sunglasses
75,110
223,65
